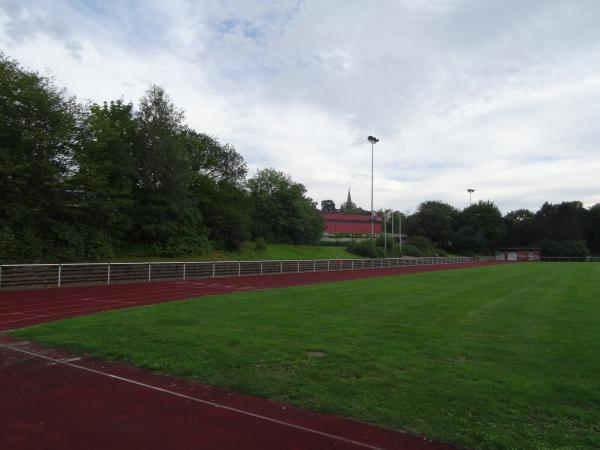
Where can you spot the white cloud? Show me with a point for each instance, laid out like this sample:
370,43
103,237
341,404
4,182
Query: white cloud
500,96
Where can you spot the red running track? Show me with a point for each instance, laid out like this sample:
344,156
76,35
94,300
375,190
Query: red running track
55,400
24,308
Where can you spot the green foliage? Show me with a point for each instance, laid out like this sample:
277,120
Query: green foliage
84,182
282,212
38,137
520,227
260,244
433,220
328,207
480,229
366,248
593,229
410,250
563,248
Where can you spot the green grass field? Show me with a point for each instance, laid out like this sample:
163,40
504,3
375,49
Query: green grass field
248,252
499,357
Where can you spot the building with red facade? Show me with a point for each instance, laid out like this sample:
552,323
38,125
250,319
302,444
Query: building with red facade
351,224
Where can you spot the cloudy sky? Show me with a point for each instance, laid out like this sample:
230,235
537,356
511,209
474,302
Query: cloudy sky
502,96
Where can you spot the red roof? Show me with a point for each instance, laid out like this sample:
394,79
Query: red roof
352,217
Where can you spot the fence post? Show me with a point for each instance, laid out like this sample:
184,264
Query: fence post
149,272
213,274
183,271
240,269
298,266
59,274
261,267
0,276
328,266
314,265
108,274
280,266
353,264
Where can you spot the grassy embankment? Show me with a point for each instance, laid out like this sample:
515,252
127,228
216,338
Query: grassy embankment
249,252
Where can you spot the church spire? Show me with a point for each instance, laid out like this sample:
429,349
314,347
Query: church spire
349,201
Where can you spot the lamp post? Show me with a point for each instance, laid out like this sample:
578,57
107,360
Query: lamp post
400,227
470,191
373,140
393,245
385,232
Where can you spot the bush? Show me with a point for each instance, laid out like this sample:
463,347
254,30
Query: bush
380,241
564,248
410,250
422,243
260,244
365,248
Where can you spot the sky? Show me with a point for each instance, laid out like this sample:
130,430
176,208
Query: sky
502,96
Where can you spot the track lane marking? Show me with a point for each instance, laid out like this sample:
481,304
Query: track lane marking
189,397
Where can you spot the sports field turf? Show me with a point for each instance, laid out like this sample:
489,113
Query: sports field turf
496,357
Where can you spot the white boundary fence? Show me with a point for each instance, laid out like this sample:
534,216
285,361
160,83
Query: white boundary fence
23,276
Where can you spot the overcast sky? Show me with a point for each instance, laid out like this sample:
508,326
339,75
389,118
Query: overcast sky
501,96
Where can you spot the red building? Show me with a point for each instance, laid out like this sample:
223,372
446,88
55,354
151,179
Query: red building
347,223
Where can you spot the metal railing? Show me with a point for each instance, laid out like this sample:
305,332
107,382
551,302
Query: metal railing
570,259
15,276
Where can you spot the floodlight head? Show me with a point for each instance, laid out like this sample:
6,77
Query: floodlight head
471,190
373,139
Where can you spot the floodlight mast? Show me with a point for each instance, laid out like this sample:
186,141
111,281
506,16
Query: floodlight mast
470,191
373,140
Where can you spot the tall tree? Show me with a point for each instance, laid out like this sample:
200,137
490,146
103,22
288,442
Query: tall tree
520,228
218,188
483,222
282,211
163,209
38,134
593,229
433,220
328,206
107,171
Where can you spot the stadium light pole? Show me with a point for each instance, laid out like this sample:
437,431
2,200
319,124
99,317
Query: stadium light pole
385,232
393,244
470,191
373,140
400,227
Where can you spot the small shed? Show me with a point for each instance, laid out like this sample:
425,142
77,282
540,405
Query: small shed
518,254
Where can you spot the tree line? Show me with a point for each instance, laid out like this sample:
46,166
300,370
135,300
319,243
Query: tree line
563,229
436,227
91,181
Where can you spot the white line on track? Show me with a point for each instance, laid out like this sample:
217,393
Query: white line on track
188,397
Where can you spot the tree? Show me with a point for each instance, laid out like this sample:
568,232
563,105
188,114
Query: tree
218,188
433,220
282,211
520,228
483,222
107,171
328,207
593,229
39,128
163,207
